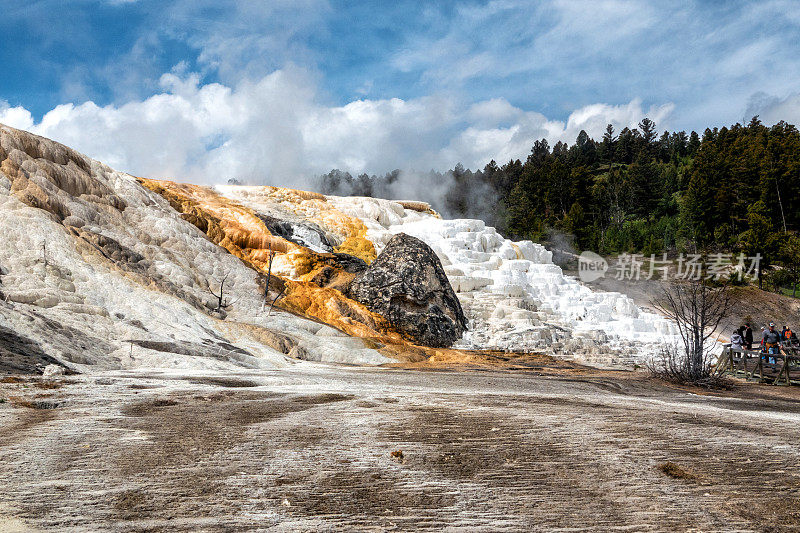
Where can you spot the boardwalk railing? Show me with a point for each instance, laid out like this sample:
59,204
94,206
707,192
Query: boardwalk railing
777,368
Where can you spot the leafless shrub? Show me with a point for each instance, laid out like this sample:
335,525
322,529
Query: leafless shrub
697,308
670,364
219,294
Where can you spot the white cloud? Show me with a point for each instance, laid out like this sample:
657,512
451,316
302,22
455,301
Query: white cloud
482,142
239,40
594,118
16,117
275,130
771,109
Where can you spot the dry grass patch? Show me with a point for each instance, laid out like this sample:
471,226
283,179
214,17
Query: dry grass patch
675,471
18,401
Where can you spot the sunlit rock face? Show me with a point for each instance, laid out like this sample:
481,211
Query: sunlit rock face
98,271
407,285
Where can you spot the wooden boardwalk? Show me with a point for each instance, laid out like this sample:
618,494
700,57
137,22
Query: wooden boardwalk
777,369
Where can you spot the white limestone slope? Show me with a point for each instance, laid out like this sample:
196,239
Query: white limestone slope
129,283
515,298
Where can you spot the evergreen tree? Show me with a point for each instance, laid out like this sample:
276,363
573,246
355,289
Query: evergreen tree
647,140
645,186
730,189
694,144
608,145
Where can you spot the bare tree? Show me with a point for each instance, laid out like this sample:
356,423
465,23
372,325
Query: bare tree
271,256
3,272
222,302
698,308
266,286
275,300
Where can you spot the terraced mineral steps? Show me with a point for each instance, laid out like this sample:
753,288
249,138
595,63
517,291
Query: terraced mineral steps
98,272
514,296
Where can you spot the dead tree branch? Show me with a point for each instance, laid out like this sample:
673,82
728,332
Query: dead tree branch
276,299
271,256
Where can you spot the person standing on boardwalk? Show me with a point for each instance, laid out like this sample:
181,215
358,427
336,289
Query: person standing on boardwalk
737,341
748,337
772,339
789,338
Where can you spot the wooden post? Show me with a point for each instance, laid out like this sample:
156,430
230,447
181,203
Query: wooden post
784,368
760,368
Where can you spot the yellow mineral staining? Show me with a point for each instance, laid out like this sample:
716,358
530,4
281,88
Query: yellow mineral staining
230,225
333,308
323,270
312,292
312,206
359,246
351,229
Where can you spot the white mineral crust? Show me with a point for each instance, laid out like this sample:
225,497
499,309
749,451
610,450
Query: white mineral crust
515,298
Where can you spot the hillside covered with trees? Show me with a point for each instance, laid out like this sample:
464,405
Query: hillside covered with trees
731,189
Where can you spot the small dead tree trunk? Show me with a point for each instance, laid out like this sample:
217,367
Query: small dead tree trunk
266,286
222,304
698,309
269,277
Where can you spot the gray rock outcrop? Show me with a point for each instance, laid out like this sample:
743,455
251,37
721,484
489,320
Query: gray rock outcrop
407,285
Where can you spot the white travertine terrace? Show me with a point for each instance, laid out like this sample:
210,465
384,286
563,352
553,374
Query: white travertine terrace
514,296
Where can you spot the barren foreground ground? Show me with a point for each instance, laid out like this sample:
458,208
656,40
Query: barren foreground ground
310,449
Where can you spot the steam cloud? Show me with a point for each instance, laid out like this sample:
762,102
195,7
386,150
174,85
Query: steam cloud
446,194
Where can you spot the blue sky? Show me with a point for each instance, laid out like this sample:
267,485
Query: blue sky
388,83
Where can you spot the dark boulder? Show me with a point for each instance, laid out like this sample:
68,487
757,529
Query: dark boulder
407,285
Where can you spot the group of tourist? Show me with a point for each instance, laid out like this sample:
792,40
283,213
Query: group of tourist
772,341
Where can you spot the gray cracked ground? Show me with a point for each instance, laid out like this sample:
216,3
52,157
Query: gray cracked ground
309,449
